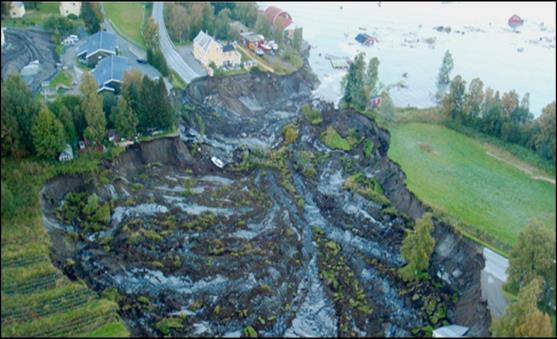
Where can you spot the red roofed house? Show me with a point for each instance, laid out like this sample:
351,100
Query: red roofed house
281,19
515,21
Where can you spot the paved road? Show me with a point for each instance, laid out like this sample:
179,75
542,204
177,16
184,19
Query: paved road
493,276
173,59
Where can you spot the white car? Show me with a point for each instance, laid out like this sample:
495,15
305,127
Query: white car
217,162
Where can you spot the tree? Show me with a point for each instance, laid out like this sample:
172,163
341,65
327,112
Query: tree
222,25
246,13
19,105
417,248
131,91
91,105
533,255
443,79
372,76
523,318
354,86
151,33
387,108
297,39
63,114
473,101
545,139
177,22
92,16
125,120
510,103
263,26
164,115
48,135
453,103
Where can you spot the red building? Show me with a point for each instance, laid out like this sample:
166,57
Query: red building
515,21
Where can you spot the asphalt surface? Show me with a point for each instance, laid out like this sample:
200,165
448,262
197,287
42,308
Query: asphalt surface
494,275
174,60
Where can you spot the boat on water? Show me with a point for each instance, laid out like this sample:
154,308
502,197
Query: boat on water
362,28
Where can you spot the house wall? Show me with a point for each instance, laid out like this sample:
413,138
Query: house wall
232,57
214,54
17,12
67,8
94,59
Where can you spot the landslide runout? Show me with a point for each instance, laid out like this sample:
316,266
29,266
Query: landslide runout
287,239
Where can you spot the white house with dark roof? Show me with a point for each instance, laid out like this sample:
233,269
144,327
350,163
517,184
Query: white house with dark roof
98,46
109,73
17,9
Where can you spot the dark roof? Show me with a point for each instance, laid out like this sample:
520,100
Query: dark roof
228,48
362,37
102,40
110,69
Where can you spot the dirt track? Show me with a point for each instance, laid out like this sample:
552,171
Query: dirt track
24,46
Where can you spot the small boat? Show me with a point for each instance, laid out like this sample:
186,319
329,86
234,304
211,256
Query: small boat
362,28
520,49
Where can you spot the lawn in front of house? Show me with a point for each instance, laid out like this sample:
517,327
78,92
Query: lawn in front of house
128,19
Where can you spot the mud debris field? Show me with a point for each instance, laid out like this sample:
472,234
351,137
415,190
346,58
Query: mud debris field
291,238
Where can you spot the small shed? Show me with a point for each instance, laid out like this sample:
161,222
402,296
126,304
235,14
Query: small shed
451,331
67,154
365,39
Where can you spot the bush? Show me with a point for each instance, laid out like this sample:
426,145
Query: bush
290,133
333,140
313,116
9,205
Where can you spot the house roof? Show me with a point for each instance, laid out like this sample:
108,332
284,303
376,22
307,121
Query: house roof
451,331
105,41
273,13
362,37
228,48
110,69
204,40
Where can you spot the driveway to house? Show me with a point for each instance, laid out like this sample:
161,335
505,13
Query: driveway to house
493,276
174,60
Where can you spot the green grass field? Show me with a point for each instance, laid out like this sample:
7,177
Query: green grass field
453,173
128,19
38,299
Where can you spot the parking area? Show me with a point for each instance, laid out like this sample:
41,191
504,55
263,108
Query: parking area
186,53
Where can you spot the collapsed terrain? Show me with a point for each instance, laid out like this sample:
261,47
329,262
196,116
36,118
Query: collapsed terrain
23,47
293,237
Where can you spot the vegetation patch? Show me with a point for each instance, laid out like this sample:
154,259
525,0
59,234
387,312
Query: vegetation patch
495,199
333,140
369,188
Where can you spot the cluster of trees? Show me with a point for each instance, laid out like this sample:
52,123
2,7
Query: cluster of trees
532,276
417,248
506,117
360,84
92,16
154,54
29,126
184,20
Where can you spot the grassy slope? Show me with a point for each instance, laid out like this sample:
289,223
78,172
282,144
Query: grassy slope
37,299
458,177
128,18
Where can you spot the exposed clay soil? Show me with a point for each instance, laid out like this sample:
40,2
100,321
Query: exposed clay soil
274,240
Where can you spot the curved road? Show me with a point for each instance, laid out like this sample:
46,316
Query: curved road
173,59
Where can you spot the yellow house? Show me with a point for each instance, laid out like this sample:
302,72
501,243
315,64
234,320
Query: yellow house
17,9
67,8
206,49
